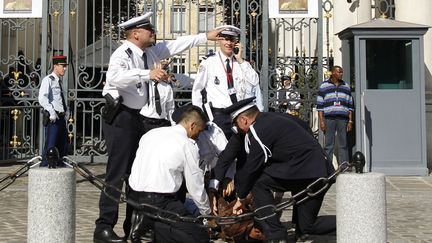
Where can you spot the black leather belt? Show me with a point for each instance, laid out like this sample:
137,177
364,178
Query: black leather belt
157,195
125,108
155,121
218,110
60,114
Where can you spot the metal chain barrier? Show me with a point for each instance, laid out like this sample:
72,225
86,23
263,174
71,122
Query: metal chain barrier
209,221
11,177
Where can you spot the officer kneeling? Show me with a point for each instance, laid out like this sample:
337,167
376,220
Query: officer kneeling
281,156
165,156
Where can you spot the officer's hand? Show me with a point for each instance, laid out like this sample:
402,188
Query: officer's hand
213,201
53,117
227,187
239,206
159,75
238,56
213,35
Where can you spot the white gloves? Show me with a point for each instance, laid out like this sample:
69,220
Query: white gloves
53,117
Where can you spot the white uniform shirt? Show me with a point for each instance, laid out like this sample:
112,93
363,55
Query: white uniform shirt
50,95
166,100
164,155
212,77
126,75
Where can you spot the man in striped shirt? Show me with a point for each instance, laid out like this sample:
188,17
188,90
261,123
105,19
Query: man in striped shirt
335,108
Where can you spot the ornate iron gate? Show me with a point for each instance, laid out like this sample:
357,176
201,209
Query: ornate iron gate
86,31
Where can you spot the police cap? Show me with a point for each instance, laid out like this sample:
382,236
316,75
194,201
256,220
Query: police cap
235,109
59,60
138,22
229,31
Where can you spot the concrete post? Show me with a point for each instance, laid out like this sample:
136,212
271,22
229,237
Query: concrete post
51,205
361,208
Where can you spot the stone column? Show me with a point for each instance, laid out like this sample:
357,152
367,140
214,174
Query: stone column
345,15
418,12
361,208
51,205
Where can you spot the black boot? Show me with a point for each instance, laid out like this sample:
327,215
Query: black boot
139,229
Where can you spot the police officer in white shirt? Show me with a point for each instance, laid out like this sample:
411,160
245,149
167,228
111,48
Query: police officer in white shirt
157,174
52,99
126,91
226,78
158,111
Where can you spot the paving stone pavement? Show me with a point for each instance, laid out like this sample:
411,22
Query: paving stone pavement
409,209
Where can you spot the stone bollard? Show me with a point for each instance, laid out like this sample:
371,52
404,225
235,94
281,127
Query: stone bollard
51,205
361,208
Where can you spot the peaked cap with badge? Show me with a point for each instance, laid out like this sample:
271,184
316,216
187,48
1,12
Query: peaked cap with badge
235,109
229,31
138,22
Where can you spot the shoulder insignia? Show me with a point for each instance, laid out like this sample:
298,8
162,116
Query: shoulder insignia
129,52
51,77
210,54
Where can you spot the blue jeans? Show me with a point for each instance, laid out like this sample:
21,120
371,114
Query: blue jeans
336,128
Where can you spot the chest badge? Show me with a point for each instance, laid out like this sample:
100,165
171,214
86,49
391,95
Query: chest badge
216,81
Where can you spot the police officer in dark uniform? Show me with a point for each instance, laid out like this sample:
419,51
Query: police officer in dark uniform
132,69
281,156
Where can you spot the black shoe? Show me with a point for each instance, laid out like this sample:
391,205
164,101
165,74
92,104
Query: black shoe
107,236
302,237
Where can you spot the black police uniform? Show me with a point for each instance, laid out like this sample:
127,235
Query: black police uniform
295,160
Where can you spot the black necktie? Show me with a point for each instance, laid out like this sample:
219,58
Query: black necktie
157,99
62,96
144,58
230,80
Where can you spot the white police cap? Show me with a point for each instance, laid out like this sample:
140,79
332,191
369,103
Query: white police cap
137,22
235,109
229,30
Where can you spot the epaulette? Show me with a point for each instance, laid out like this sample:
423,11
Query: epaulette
210,54
129,52
51,77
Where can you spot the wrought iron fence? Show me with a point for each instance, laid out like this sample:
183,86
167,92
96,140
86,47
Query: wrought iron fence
87,32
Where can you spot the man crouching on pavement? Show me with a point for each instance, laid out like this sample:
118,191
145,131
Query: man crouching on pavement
281,156
166,155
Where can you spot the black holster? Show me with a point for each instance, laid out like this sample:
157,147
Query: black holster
45,117
111,108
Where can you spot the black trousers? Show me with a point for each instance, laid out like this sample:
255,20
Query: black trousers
165,231
122,138
305,215
151,123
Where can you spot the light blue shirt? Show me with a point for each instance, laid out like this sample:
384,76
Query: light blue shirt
50,94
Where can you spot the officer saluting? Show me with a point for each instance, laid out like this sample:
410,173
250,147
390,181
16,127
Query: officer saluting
126,90
281,157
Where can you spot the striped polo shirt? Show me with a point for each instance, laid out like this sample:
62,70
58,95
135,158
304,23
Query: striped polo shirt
335,100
